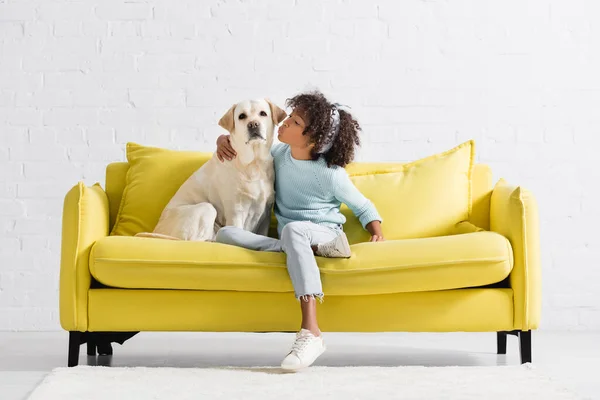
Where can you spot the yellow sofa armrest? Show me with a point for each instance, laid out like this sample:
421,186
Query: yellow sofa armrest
514,214
85,220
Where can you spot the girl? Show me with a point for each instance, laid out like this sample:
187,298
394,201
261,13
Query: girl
318,141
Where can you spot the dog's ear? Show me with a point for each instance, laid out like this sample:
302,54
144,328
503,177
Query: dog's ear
277,113
226,120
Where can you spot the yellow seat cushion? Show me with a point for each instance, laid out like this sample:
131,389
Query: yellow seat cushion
153,177
424,198
394,266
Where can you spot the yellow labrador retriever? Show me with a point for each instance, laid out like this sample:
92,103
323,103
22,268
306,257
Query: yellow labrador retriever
237,193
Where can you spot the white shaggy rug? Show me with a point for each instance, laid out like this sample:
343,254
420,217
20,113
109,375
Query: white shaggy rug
498,382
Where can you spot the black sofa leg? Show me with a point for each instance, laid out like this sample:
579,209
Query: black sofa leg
524,343
74,343
98,343
91,344
501,339
525,346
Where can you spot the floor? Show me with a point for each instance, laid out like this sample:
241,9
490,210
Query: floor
572,358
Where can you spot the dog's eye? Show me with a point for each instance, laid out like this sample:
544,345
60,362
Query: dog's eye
242,116
263,114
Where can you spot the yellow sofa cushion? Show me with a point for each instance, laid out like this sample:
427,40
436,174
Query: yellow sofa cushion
424,198
394,266
153,177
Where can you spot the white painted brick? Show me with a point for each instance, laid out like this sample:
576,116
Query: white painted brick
125,29
9,246
100,135
67,29
155,29
20,116
188,12
100,98
8,190
11,29
126,80
151,135
38,153
35,190
185,117
17,11
302,10
7,225
45,99
157,98
96,29
177,62
530,134
33,226
187,135
35,208
354,10
10,63
66,46
37,171
109,63
344,29
13,208
123,11
559,134
42,136
7,98
71,11
183,30
95,153
35,244
4,154
70,80
70,136
13,135
203,98
128,117
37,29
69,117
21,82
195,81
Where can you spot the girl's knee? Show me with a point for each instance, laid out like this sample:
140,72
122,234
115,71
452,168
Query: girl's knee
292,229
224,234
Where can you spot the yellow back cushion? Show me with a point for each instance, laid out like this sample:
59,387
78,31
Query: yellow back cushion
424,198
153,177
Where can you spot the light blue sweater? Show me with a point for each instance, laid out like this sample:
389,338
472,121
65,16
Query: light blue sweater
307,190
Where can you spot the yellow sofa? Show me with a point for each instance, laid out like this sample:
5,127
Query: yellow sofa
483,277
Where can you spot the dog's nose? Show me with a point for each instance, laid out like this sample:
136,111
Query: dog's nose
252,125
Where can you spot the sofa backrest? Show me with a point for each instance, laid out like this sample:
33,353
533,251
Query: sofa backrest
482,188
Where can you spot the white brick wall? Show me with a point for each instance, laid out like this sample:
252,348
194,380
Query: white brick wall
78,79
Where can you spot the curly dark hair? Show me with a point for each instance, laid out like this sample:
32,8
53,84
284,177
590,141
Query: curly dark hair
317,112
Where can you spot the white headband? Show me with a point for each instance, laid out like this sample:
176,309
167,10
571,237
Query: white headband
335,127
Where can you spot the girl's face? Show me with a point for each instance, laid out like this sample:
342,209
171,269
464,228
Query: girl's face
291,129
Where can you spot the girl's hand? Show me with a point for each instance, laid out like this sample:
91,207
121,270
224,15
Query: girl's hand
377,238
374,228
224,149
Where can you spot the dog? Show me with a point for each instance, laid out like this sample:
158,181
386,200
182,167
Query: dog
237,193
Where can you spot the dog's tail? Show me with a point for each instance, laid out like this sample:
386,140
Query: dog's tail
156,236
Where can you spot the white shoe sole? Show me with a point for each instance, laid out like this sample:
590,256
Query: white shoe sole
346,245
293,368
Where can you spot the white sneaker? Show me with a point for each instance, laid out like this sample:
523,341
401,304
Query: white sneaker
337,248
305,350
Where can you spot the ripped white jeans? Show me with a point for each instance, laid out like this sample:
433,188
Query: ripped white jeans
296,239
